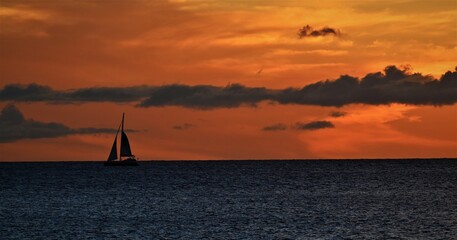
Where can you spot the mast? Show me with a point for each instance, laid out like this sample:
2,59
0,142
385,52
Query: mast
122,132
122,122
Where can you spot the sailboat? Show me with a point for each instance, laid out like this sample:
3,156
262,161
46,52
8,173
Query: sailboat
126,158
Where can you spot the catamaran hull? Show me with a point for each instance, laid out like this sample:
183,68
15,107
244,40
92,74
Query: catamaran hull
127,162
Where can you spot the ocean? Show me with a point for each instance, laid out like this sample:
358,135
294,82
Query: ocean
332,199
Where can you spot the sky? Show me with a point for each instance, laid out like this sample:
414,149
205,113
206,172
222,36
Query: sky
211,79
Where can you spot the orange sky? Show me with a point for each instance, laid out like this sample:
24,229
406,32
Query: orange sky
82,44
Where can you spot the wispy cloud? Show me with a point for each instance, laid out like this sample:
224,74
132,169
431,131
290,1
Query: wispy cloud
337,114
183,126
275,127
315,125
308,31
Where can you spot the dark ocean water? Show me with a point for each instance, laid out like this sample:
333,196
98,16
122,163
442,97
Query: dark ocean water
408,199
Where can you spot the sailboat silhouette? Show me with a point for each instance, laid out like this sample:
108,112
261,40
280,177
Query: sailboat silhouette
126,158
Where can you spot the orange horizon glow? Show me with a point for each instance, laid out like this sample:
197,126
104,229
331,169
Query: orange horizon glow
71,45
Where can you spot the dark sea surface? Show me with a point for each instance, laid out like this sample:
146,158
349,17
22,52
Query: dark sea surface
389,199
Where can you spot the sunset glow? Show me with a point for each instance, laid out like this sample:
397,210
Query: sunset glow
212,79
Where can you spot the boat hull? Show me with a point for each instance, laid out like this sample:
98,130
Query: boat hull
126,162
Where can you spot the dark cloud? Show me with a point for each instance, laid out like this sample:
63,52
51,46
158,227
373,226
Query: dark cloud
313,125
308,31
32,92
207,97
184,126
337,114
35,92
13,127
394,85
275,127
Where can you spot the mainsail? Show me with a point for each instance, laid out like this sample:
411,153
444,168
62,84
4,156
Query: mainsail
125,145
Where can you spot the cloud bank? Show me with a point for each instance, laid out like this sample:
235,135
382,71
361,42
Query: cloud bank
394,85
35,92
206,97
14,126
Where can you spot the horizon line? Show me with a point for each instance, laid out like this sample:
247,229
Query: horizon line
234,160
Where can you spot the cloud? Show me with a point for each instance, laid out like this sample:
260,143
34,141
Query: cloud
32,92
36,92
184,126
275,127
308,31
394,85
206,97
313,125
337,114
14,126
